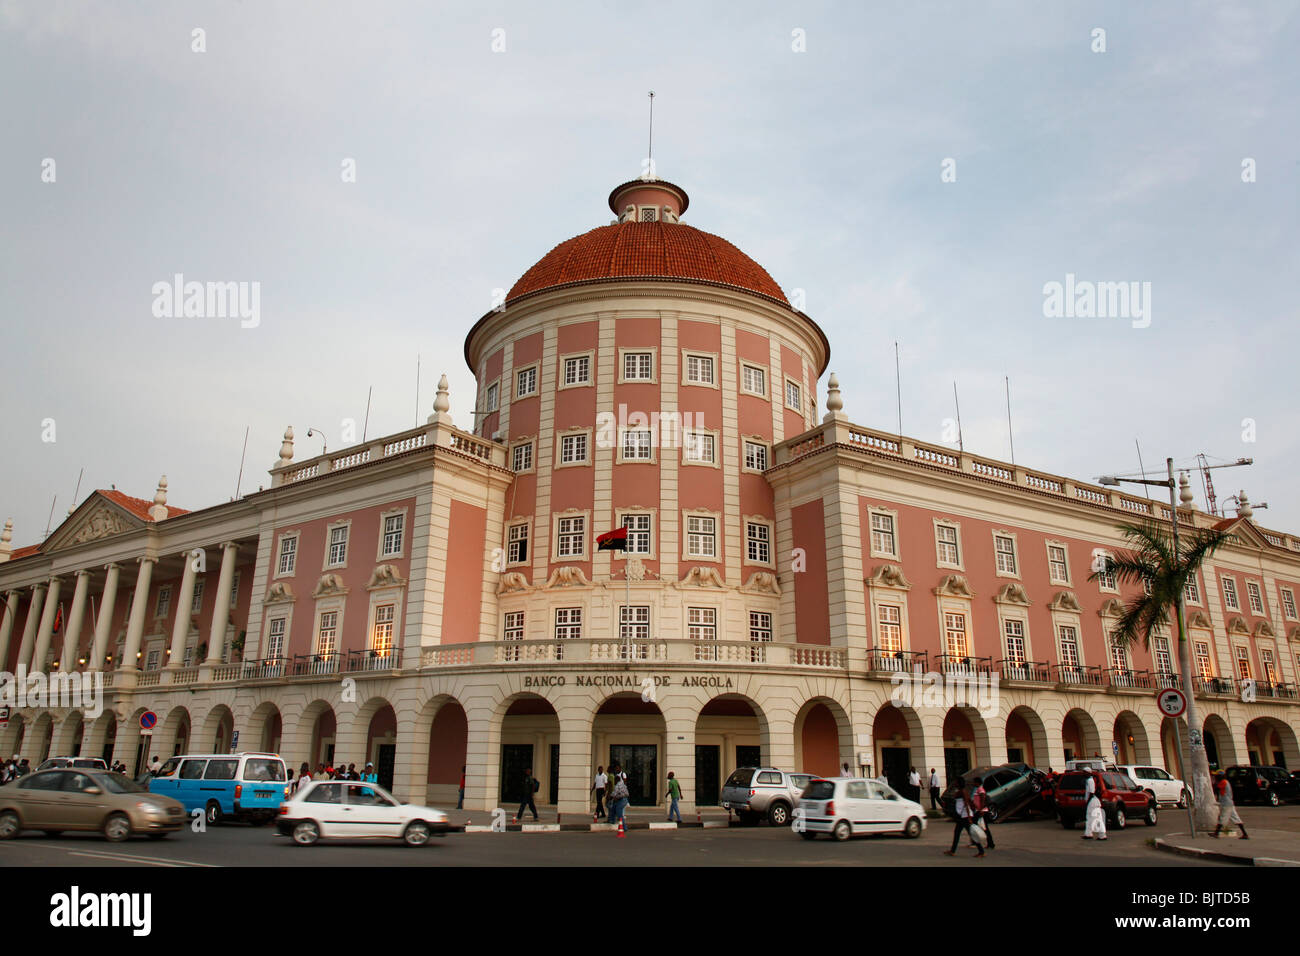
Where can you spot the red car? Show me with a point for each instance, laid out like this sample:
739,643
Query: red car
1121,799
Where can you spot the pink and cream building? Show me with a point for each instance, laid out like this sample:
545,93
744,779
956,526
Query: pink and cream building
435,599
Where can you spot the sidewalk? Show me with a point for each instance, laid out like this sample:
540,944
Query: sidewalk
638,818
1264,848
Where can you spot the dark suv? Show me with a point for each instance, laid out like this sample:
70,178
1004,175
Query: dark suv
1269,785
1121,799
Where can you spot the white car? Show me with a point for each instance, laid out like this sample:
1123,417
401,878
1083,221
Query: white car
848,806
353,810
1161,784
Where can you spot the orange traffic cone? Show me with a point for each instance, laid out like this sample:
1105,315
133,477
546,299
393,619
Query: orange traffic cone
621,834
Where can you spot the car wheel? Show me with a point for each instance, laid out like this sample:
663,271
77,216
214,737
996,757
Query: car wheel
808,835
1149,818
842,831
417,833
213,812
117,828
1067,822
1036,785
1184,799
992,813
1121,821
913,828
778,814
1273,800
1151,794
306,833
9,825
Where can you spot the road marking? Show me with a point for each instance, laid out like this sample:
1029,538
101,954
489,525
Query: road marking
120,857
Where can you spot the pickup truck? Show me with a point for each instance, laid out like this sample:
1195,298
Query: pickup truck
757,792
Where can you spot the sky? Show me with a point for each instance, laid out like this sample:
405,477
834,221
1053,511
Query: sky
918,171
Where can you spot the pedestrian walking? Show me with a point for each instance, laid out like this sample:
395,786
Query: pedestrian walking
531,786
934,790
598,788
914,782
962,821
618,798
460,799
1227,808
980,806
1094,814
674,794
304,776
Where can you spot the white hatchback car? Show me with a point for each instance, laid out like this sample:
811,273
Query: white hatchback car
352,810
1161,784
849,806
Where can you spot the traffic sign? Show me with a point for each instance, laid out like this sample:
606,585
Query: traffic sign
1114,745
148,720
1171,701
4,716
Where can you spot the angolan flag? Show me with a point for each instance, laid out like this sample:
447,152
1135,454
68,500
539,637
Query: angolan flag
58,619
615,540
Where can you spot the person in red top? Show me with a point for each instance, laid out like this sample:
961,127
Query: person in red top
460,801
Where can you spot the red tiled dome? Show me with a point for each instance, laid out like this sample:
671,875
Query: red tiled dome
647,250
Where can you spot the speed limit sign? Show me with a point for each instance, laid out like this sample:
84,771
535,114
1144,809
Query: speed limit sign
1172,702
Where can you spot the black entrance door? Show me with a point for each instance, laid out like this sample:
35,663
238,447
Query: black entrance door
515,759
641,764
749,757
387,758
708,787
1211,750
555,773
895,762
956,761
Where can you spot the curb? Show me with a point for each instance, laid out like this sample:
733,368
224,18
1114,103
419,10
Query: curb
589,827
1222,857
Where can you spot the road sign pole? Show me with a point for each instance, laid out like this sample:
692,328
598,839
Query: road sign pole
1191,797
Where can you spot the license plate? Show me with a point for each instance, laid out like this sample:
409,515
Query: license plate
265,793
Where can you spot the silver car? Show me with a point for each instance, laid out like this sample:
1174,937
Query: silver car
758,792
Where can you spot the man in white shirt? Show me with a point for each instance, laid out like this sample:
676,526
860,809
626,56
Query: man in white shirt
914,781
934,790
1094,815
598,788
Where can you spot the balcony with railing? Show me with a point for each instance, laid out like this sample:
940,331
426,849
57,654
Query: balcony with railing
657,650
962,664
1029,672
374,659
1077,675
1121,679
1214,687
894,662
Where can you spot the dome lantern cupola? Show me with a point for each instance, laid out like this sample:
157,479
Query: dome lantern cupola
648,200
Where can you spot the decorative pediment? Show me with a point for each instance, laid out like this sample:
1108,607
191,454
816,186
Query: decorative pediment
1112,607
889,576
763,581
101,523
279,593
954,585
1237,625
1264,629
1066,601
385,576
702,578
329,585
1012,593
512,581
567,576
1199,619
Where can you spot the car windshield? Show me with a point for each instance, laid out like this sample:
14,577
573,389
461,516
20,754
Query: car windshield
116,783
741,777
263,768
819,790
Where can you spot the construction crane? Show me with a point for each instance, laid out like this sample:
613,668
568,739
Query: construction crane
1208,483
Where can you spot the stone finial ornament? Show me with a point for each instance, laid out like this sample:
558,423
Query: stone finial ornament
286,449
1185,496
159,510
6,539
1244,510
834,400
441,404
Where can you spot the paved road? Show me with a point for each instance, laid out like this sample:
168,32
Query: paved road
1041,843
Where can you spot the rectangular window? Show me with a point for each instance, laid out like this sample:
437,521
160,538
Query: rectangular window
288,555
275,639
701,447
1266,662
234,591
1056,564
1192,592
1015,634
758,543
1230,595
394,528
1107,579
568,623
572,539
755,456
1255,597
492,400
1118,657
577,370
701,537
327,634
760,626
164,601
753,380
1288,602
883,540
523,457
382,638
1164,660
636,445
1203,665
702,626
634,622
638,366
890,617
151,662
517,546
699,370
638,532
196,605
954,626
573,448
946,544
1069,653
526,382
189,655
514,630
1005,551
793,396
338,545
1243,663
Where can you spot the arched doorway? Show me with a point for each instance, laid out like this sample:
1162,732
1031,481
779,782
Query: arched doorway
530,740
266,727
42,739
381,745
1173,742
173,734
319,726
448,746
965,742
1079,735
899,742
219,727
1271,743
1220,749
1026,738
1131,735
822,738
631,732
728,735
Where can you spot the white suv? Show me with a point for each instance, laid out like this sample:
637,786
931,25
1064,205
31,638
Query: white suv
1161,784
848,806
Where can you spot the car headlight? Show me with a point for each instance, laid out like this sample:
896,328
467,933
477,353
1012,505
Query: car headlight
147,807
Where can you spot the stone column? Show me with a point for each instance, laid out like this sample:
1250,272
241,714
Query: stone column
7,616
576,772
47,626
77,614
221,613
181,627
29,626
104,624
139,608
679,757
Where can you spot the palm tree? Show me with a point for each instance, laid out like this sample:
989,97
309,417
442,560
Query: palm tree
1162,576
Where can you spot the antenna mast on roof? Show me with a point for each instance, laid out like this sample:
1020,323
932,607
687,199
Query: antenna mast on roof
650,148
77,491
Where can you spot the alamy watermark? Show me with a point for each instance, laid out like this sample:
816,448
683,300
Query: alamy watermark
1084,299
930,690
179,299
82,690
